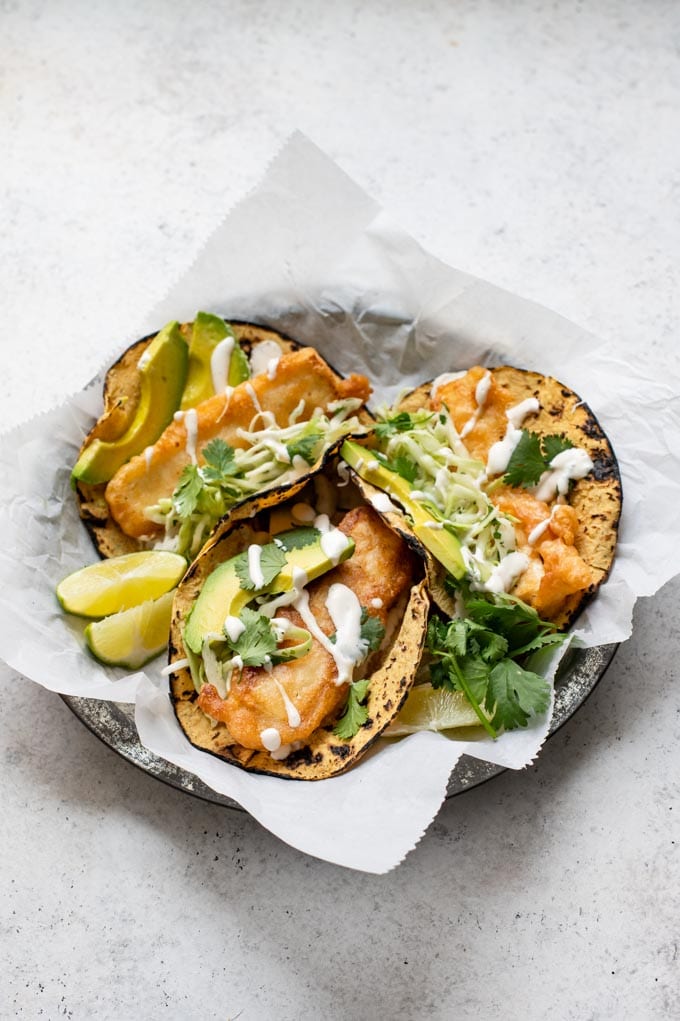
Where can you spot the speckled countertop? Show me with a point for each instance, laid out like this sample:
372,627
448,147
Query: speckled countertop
532,144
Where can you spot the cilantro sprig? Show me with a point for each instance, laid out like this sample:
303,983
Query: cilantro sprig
371,631
400,423
257,643
305,447
297,538
187,491
194,482
355,714
480,658
532,456
220,462
272,559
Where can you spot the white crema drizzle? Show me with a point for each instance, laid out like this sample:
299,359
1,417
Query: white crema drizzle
481,394
265,358
381,502
443,380
271,739
504,576
500,453
234,628
345,611
220,360
574,463
250,390
292,713
255,566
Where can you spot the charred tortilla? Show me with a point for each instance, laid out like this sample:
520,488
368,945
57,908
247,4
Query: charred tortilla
110,532
391,669
596,499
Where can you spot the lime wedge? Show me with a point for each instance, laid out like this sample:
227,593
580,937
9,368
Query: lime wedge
133,637
119,583
428,708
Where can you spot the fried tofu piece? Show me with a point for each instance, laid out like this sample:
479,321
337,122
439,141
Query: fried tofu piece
382,568
149,477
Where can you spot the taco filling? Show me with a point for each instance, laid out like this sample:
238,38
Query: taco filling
296,645
190,430
341,618
508,481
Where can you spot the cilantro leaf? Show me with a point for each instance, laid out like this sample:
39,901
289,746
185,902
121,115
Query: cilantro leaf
532,456
297,538
272,559
514,694
527,463
187,491
355,714
442,638
405,467
305,447
372,631
519,624
472,658
554,445
257,643
542,642
399,423
220,462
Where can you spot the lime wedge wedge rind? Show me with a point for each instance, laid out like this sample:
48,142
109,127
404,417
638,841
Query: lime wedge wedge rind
132,637
436,709
120,583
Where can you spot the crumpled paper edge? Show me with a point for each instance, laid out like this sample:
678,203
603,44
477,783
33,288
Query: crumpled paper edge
462,319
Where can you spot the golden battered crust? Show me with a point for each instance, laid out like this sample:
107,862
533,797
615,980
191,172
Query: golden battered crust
121,397
597,499
323,754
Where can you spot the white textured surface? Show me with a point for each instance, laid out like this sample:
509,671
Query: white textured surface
533,145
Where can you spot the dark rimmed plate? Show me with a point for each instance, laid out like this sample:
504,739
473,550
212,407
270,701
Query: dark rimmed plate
114,724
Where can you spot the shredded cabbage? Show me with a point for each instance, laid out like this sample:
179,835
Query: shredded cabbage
273,456
446,477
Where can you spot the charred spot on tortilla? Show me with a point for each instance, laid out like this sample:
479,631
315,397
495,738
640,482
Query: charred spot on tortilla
121,399
391,668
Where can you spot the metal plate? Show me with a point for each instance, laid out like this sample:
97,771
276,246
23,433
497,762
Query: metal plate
114,724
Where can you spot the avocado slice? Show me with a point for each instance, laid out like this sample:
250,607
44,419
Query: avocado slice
223,596
163,371
207,333
442,544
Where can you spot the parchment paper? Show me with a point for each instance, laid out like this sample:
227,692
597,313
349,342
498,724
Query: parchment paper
310,253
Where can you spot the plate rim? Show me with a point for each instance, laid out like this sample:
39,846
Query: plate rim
108,720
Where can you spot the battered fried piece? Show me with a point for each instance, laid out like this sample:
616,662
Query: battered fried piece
485,427
381,568
300,376
555,570
571,558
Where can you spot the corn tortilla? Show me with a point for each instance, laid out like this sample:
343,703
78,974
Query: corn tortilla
323,754
597,498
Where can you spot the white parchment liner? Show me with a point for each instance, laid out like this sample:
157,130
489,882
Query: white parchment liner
309,252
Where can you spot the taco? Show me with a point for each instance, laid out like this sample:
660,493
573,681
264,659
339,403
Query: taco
509,481
297,631
198,418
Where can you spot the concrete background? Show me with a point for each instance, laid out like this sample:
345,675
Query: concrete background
531,143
